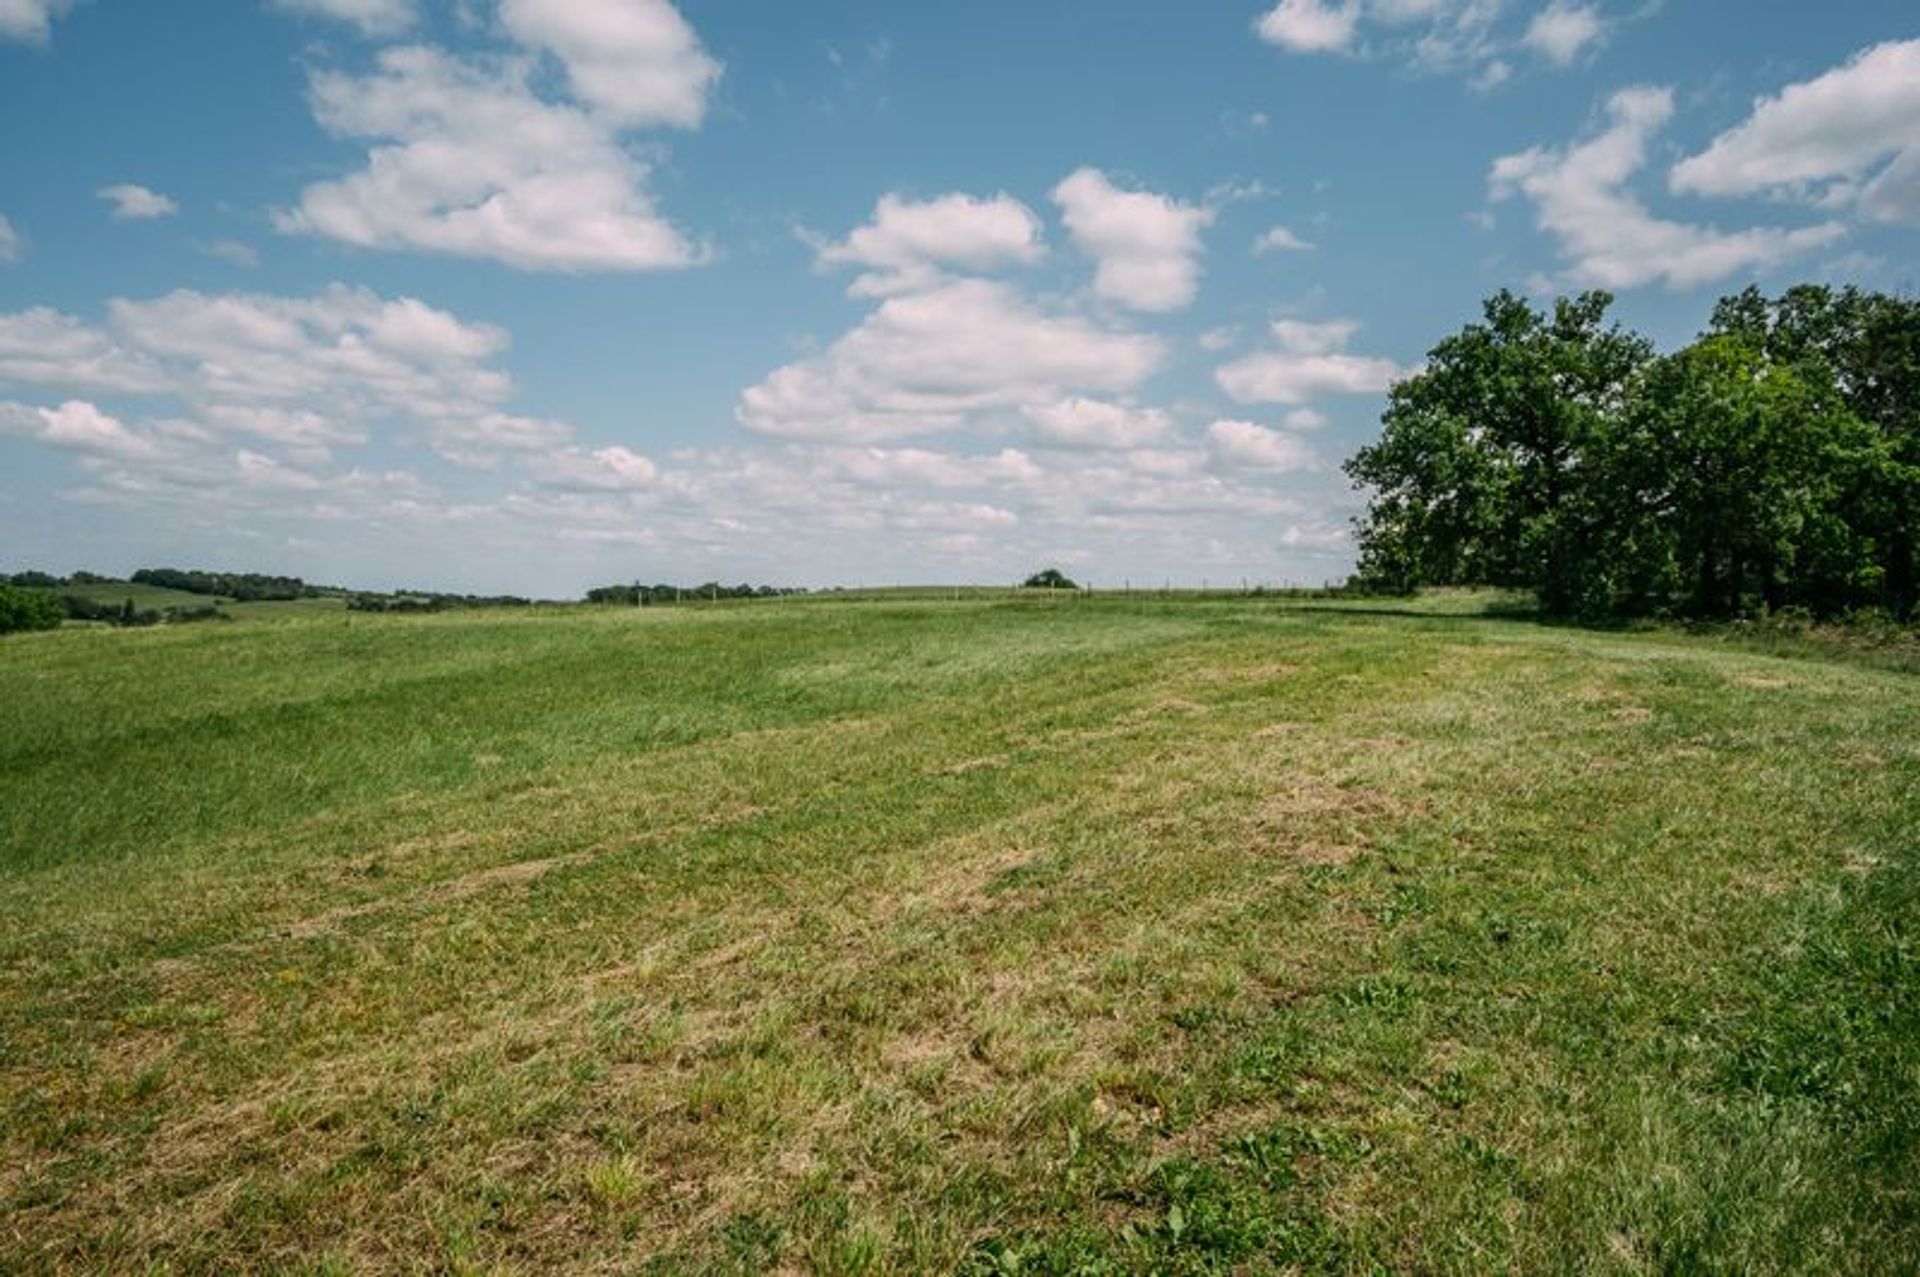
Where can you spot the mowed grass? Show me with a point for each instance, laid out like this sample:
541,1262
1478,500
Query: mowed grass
1125,935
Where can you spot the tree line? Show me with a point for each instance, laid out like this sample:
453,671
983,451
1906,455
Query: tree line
30,601
241,587
637,595
1771,464
430,601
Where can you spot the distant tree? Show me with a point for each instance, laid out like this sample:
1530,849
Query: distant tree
244,587
22,609
1048,579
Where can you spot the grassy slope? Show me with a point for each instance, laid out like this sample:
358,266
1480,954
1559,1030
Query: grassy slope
1042,937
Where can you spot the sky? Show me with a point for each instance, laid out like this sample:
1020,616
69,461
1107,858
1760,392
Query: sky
531,295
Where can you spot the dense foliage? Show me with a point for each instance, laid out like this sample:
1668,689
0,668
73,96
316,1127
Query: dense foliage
22,609
1049,579
1773,463
242,587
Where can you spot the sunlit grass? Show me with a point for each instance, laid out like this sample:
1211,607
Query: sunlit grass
1044,935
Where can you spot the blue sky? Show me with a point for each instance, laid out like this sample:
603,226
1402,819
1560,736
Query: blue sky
532,294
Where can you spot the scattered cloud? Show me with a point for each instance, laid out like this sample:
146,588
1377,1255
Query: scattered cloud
31,21
1562,31
133,202
373,17
1491,76
1318,537
1311,26
1581,198
1847,139
233,252
45,348
1279,239
610,469
930,361
1446,37
637,63
1308,360
12,245
909,245
910,467
305,373
1095,423
1244,444
475,164
1146,246
75,426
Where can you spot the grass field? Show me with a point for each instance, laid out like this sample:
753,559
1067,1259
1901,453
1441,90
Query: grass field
1001,936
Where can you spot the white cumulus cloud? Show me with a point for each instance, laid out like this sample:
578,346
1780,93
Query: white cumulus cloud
1561,31
1079,422
1311,26
1308,360
910,244
1475,38
1279,239
636,62
1850,137
304,373
1146,246
928,361
46,348
1245,444
30,21
609,469
76,426
472,162
1581,198
133,202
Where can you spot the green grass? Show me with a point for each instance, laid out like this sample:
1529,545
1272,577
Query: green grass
992,935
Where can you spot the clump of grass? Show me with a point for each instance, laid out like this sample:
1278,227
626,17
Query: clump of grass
613,1183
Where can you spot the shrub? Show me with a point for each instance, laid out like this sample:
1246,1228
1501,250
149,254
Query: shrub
28,610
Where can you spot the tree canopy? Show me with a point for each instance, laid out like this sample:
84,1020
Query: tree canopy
26,609
1774,462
